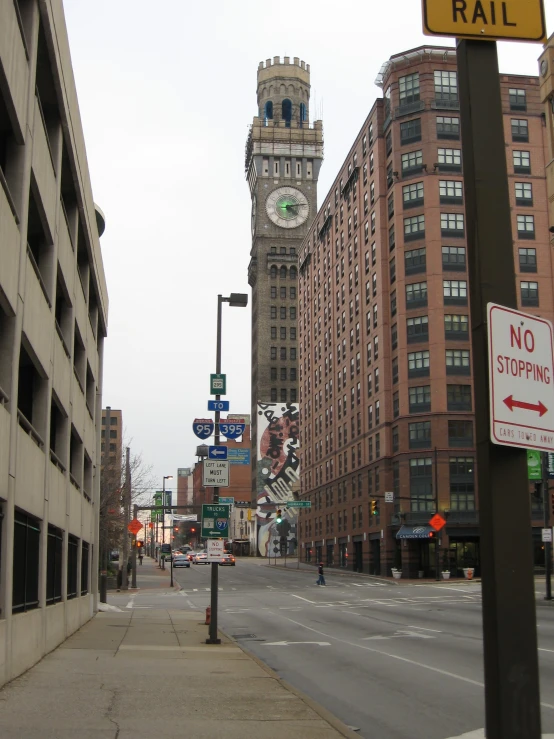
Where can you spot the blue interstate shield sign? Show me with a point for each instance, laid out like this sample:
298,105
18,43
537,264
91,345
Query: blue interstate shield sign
221,523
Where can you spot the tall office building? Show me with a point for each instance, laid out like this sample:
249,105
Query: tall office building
53,316
385,369
283,158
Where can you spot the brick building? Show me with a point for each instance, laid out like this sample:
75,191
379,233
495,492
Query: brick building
384,346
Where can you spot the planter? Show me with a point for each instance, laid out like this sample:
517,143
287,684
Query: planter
446,575
420,574
397,574
468,573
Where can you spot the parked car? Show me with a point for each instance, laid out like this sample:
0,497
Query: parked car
181,561
227,559
201,558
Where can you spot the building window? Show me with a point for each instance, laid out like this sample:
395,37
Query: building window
392,270
455,292
26,547
84,567
392,239
415,261
293,395
458,397
412,162
54,565
449,160
390,206
273,373
416,295
529,293
520,129
394,336
457,362
293,353
525,227
283,313
462,485
394,365
420,399
72,559
408,87
412,195
524,193
283,373
388,143
527,260
273,331
419,434
421,485
393,303
410,131
446,86
517,99
456,327
417,329
418,364
282,333
451,191
452,224
395,405
448,127
273,392
414,227
454,258
283,394
522,162
273,292
395,439
460,433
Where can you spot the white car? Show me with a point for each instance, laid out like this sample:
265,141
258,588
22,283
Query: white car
201,558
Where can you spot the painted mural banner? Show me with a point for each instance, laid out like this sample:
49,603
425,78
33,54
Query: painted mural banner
277,477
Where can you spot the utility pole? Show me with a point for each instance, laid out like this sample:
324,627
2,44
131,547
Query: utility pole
547,525
126,519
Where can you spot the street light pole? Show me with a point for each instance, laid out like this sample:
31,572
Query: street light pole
240,301
166,477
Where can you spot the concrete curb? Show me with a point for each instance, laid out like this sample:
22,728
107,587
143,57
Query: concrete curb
326,715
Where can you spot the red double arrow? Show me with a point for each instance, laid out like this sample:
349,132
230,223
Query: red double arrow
511,403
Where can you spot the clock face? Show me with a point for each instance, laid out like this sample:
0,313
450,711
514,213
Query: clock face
287,207
544,67
253,215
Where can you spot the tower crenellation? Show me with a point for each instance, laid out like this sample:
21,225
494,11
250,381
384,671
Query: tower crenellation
283,91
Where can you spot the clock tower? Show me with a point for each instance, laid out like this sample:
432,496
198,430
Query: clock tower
283,158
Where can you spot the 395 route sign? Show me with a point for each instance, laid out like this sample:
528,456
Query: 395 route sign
521,379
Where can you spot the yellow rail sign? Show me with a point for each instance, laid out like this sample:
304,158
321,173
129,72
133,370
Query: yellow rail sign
515,20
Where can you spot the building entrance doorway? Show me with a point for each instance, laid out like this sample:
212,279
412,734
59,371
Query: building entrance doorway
358,557
375,562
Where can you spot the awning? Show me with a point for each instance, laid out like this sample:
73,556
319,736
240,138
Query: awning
414,532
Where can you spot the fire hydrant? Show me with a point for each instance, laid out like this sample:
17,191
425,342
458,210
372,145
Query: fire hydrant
208,615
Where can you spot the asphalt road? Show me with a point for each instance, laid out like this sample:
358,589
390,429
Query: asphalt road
393,660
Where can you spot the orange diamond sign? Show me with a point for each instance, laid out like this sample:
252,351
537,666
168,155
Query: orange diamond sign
135,526
437,522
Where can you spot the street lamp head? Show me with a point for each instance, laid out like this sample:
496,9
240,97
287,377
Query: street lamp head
168,477
238,300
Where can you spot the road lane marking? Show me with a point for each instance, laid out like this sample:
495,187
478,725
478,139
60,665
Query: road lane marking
399,634
292,595
292,643
424,629
542,649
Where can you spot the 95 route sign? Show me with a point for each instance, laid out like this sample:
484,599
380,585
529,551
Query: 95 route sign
521,379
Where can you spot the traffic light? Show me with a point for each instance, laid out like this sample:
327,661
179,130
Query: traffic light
374,511
431,534
192,530
279,516
140,544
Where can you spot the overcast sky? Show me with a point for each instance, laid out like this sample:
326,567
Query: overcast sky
166,93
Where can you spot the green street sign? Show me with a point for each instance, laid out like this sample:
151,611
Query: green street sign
218,384
153,516
298,504
215,520
534,467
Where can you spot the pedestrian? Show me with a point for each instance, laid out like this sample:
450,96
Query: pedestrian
140,558
321,579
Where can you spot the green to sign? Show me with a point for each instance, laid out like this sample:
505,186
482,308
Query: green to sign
218,384
215,520
299,504
534,467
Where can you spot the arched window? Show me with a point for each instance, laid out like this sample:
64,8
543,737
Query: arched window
302,113
283,273
268,112
286,112
273,272
293,273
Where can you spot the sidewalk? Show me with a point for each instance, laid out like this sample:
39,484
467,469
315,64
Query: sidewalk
141,673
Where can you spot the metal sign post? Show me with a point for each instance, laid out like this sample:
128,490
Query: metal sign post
512,695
